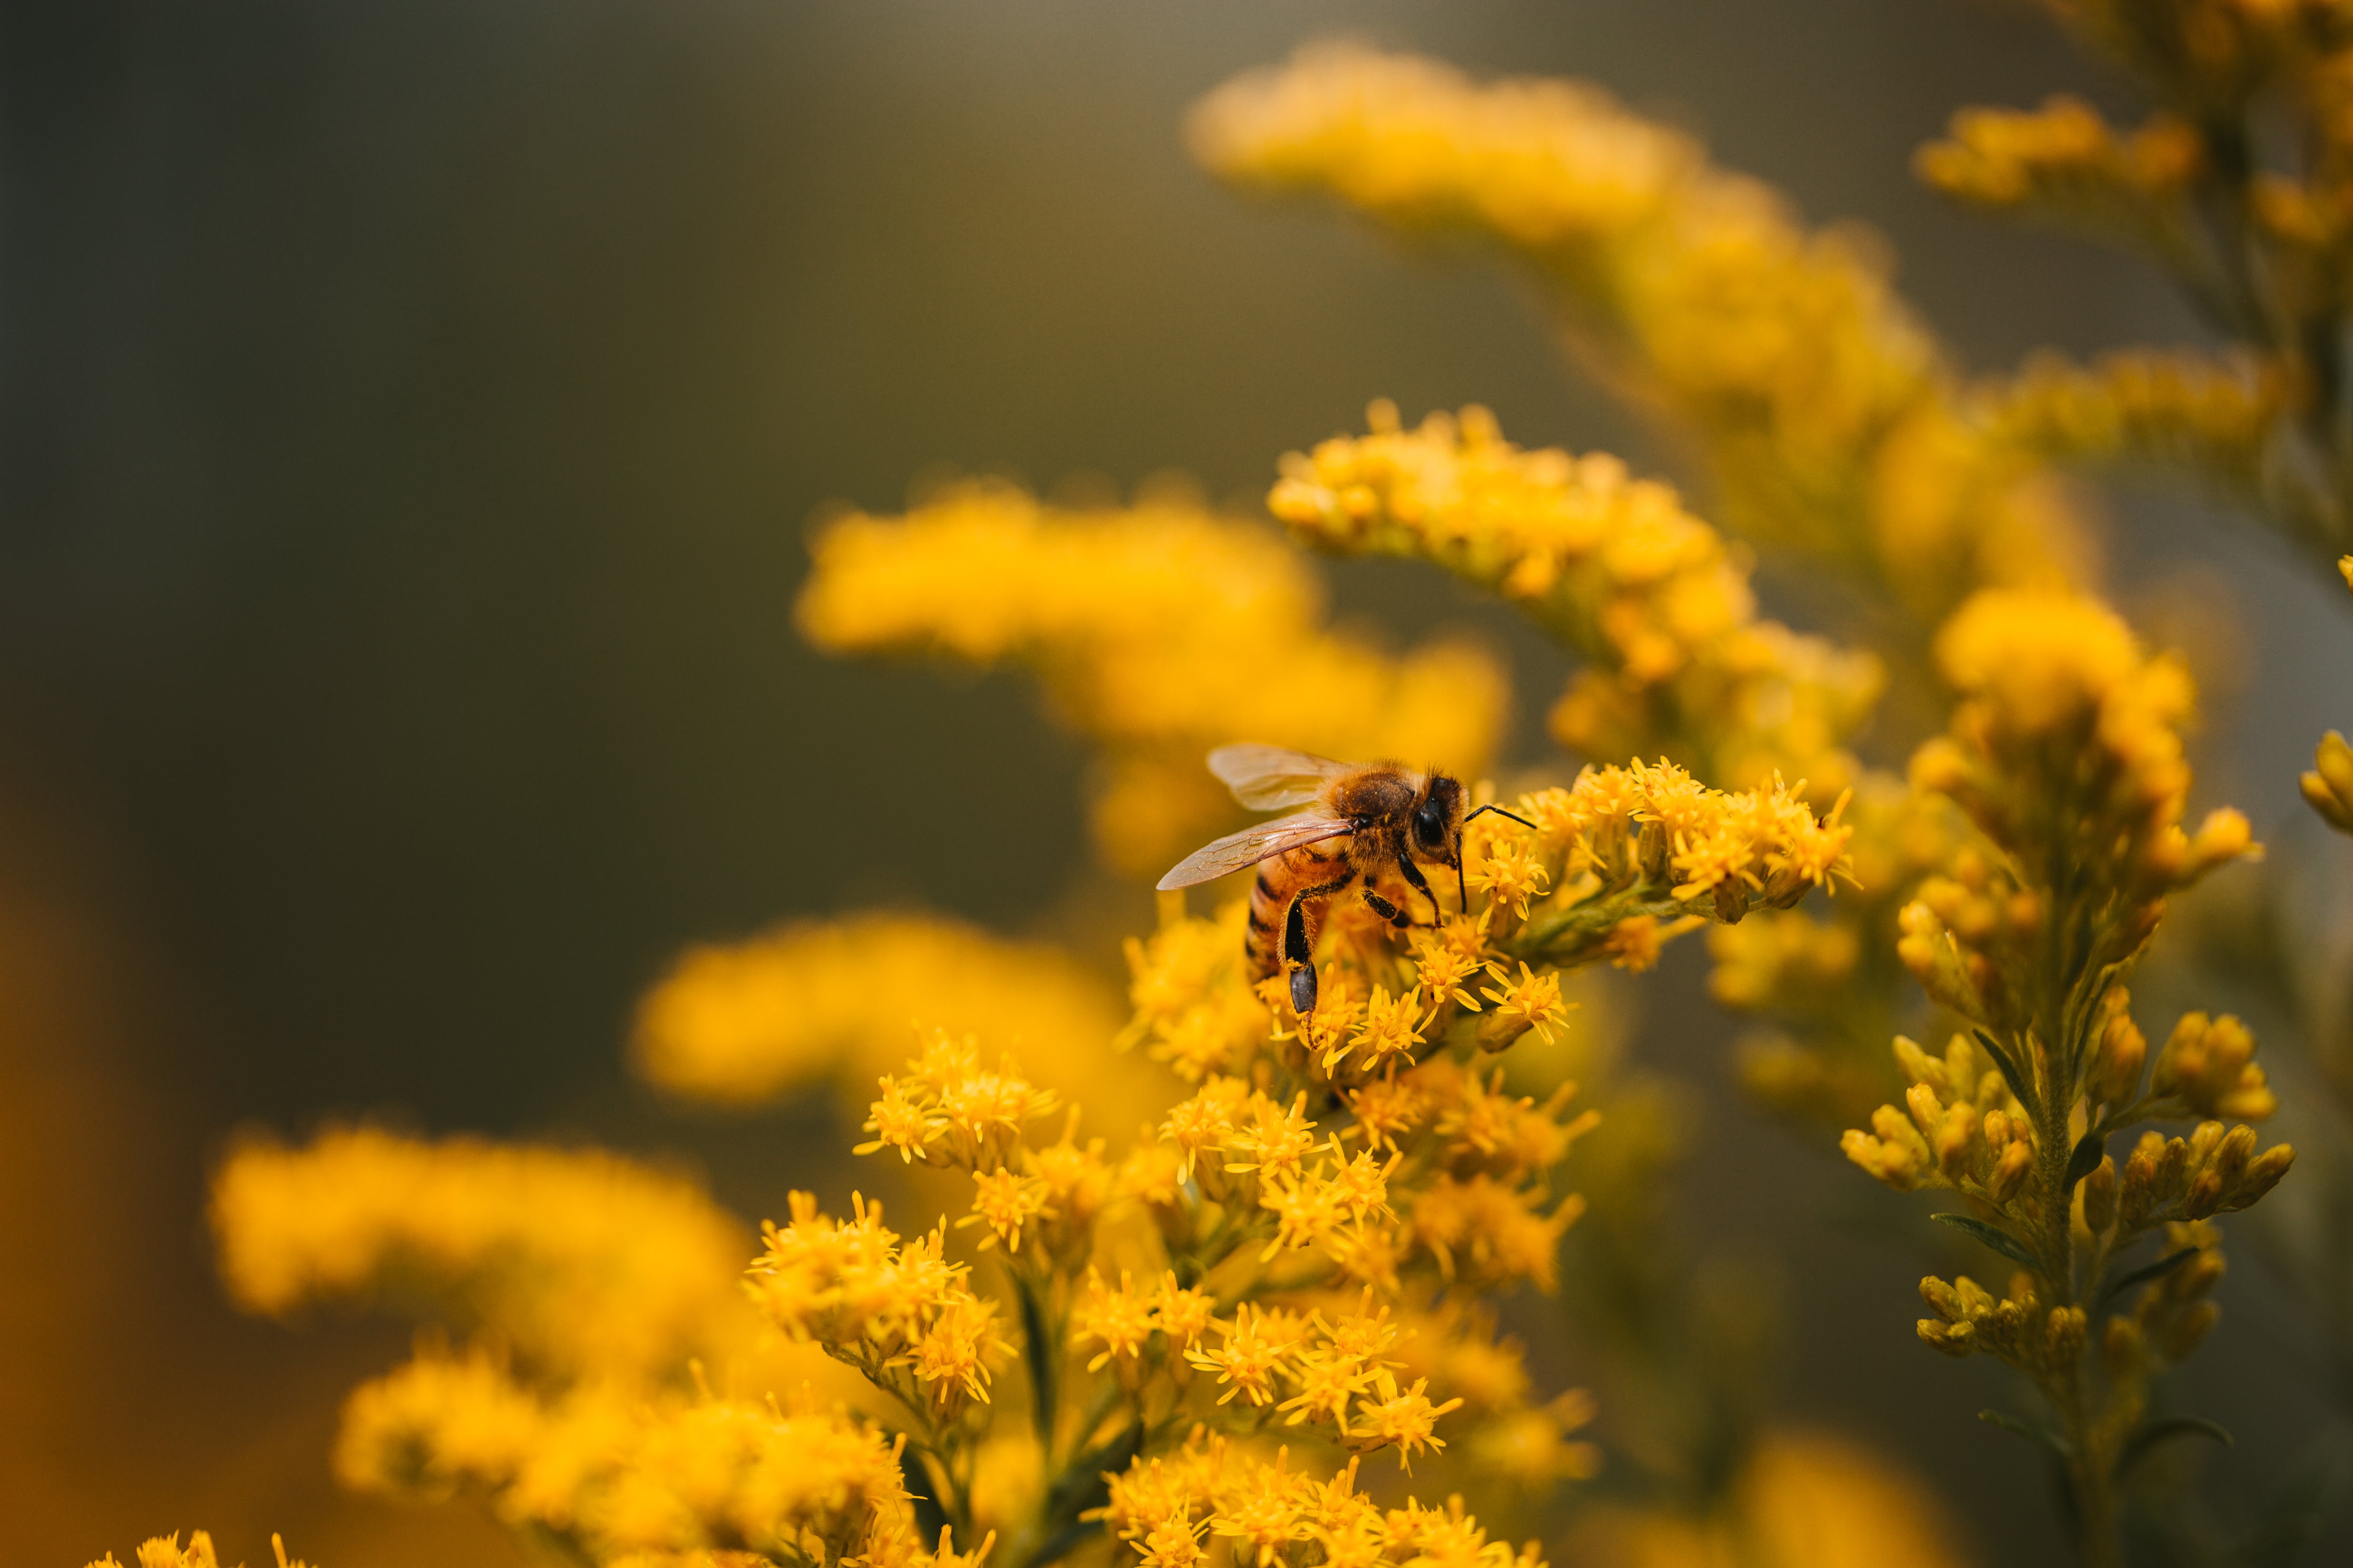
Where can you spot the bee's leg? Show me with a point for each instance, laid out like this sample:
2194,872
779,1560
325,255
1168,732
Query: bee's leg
1300,953
1412,874
1388,910
1299,925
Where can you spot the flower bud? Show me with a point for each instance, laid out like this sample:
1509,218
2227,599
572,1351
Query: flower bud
2064,1335
1940,767
2223,837
1650,849
2204,1196
1919,1066
2206,1064
2116,1060
1928,1110
1928,950
2176,1339
1954,1340
2120,1346
2230,1157
2197,1277
1889,1160
2262,1175
2099,1192
2330,787
1941,1299
1956,1139
2009,1171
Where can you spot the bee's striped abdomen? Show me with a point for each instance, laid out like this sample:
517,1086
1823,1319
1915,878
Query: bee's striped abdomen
1280,880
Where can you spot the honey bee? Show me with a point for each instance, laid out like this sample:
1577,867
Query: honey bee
1361,821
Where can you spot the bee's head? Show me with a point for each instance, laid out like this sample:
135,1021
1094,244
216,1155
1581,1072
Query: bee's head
1436,816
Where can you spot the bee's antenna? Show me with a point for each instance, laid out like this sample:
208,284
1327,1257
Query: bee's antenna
1461,885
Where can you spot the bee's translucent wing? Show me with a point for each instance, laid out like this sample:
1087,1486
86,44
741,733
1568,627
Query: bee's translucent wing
1272,778
1253,844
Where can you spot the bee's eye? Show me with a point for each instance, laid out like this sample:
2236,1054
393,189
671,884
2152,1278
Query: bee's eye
1430,826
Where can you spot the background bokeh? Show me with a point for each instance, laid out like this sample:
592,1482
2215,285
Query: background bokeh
412,419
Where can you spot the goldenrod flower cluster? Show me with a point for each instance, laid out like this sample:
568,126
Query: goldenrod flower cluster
2064,161
623,1476
2239,185
165,1552
841,1000
1160,631
1823,409
585,1261
1175,1333
1803,1500
1294,1253
2213,420
1268,1512
2065,754
1829,423
1612,566
596,1291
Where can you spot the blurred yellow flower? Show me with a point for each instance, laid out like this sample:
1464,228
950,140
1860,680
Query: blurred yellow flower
1804,1500
579,1258
1159,631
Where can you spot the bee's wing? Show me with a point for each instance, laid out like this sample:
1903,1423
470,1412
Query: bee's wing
1272,778
1253,844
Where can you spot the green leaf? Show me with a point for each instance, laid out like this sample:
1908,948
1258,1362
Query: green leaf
2032,1431
2156,1432
2001,1241
2010,1073
2089,1150
1081,1486
2142,1275
1065,1540
1042,1353
930,1516
1082,1489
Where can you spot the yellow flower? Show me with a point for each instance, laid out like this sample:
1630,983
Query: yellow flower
1121,1320
2215,420
1803,1500
951,1108
1160,631
1532,1003
1389,1030
1611,565
608,1475
165,1552
1005,1200
847,999
2328,788
954,1352
1407,1422
1255,1351
1825,413
580,1257
2063,160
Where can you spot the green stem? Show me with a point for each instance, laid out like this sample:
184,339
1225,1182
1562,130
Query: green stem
2089,1466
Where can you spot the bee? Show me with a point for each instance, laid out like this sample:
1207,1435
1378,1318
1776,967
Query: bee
1361,821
